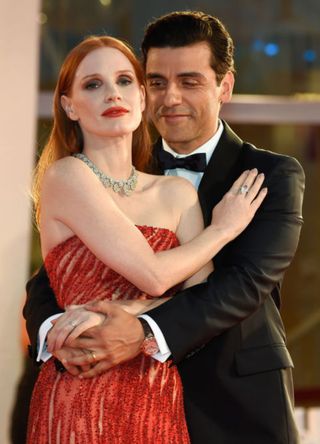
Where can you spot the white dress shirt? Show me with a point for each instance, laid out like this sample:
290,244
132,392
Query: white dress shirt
195,178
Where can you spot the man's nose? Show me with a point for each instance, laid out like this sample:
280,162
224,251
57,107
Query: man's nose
172,96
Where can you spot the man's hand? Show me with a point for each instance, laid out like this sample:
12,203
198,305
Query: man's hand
67,353
117,340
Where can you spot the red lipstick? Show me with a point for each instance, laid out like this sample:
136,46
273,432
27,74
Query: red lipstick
115,111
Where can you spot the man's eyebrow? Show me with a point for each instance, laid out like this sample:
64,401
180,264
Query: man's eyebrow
154,75
196,74
191,74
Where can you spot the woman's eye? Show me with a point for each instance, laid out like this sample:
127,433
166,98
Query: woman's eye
124,80
93,84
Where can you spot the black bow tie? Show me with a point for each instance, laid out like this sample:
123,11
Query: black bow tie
194,162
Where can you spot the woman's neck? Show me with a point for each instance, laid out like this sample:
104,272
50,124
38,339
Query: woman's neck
113,156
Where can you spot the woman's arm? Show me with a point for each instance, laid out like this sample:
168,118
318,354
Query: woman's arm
190,226
75,197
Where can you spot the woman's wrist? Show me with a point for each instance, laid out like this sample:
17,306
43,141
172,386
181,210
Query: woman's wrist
221,234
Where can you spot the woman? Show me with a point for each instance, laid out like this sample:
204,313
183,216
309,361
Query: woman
111,231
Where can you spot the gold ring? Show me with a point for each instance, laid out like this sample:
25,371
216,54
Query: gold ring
93,355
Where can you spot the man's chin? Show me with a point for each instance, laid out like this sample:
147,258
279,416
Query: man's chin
174,135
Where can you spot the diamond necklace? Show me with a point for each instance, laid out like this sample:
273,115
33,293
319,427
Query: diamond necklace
118,186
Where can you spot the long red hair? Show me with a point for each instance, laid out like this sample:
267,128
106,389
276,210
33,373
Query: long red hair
66,136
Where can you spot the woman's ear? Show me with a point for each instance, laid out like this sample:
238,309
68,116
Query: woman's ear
226,86
67,106
142,98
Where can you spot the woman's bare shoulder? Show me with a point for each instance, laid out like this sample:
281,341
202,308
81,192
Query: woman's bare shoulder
64,166
67,171
176,190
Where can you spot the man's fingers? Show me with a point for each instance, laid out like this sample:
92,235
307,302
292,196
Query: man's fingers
64,354
85,368
82,342
87,358
72,369
98,369
67,355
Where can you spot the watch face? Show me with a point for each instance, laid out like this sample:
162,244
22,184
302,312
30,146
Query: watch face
150,346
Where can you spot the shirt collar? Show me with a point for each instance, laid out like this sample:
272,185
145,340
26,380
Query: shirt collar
207,148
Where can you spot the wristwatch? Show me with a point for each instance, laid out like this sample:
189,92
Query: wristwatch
149,346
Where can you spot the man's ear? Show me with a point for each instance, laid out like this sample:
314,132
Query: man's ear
142,98
226,86
66,104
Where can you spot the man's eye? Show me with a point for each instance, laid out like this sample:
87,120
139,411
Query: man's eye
125,80
93,84
156,83
190,83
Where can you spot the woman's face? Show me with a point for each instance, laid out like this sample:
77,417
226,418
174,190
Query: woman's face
106,98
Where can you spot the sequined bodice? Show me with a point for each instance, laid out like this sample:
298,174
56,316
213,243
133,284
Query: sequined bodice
76,274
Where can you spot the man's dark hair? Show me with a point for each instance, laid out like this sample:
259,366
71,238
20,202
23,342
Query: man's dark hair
185,28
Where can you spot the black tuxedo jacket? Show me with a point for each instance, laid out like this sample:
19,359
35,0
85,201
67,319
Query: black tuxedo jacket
226,335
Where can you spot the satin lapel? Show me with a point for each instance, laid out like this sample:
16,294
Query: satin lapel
224,167
155,169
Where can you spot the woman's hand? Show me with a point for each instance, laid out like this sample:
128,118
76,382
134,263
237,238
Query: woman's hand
75,321
238,206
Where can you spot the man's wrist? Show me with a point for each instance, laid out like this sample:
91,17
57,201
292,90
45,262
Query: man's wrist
149,345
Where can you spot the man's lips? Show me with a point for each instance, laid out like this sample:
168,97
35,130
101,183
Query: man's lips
174,117
115,111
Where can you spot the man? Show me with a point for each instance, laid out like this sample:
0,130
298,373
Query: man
225,335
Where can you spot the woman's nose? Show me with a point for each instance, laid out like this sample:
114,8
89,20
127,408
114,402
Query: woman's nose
112,94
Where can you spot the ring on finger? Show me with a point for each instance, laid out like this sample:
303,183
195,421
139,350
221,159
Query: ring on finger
93,355
73,324
244,189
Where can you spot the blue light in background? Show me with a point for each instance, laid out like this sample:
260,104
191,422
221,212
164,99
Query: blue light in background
271,49
258,45
309,55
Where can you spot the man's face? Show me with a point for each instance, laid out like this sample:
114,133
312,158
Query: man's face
184,99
